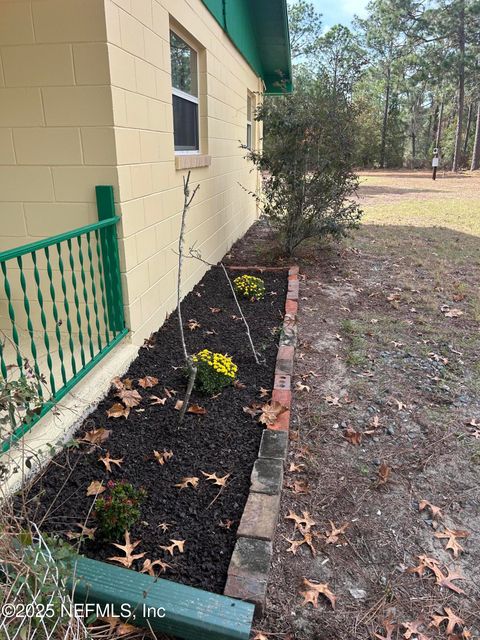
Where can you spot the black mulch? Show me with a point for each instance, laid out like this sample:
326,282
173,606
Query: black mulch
226,440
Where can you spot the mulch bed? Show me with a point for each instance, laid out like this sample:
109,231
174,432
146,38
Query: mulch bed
225,440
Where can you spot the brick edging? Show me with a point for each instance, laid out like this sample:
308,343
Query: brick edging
251,559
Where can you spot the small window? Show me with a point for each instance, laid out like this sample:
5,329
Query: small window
249,122
184,61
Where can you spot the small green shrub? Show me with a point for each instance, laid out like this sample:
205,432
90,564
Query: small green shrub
249,287
119,510
214,371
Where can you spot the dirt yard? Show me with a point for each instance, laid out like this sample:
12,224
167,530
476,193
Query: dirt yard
383,477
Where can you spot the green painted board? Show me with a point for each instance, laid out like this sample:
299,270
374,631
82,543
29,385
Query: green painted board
191,614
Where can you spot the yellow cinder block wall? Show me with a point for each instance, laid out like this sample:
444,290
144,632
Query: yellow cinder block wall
150,185
85,99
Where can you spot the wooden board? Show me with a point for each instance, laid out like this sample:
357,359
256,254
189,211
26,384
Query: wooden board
189,613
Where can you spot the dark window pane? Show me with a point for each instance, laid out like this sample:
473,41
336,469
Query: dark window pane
249,136
185,124
184,65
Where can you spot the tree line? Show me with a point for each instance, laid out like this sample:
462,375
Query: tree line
409,73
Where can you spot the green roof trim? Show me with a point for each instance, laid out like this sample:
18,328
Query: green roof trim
259,30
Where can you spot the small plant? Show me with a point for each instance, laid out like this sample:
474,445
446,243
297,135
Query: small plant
249,287
118,511
214,371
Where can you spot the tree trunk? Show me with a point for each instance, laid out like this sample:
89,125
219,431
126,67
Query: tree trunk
476,144
457,156
467,132
438,138
385,117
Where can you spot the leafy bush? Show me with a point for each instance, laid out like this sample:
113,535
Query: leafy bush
118,511
20,399
214,371
249,287
306,164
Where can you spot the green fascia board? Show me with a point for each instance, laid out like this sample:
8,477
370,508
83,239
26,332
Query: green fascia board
259,30
190,613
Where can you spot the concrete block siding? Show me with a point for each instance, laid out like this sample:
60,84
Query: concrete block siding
85,99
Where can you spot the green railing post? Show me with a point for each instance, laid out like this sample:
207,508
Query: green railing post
110,259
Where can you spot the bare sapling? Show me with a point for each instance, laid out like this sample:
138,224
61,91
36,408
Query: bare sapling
189,362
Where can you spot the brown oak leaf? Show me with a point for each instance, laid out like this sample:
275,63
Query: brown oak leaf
117,410
149,566
189,481
162,456
354,437
108,461
193,324
271,411
451,535
447,581
221,482
127,548
157,400
305,521
331,537
314,590
95,488
450,618
85,532
96,436
384,473
435,511
130,397
148,382
176,544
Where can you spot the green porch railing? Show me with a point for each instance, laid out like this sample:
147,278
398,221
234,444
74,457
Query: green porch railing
61,308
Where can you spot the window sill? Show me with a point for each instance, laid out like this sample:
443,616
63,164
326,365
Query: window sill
192,161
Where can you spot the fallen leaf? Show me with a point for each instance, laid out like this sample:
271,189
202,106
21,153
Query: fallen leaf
451,535
164,526
450,618
127,548
425,562
454,313
304,521
314,590
354,437
170,392
300,486
447,581
149,566
108,461
264,393
189,481
85,532
118,411
157,400
412,628
239,385
253,410
176,544
333,401
227,524
331,537
302,387
163,456
148,382
197,410
215,309
271,411
296,544
193,324
389,627
221,482
296,468
96,436
435,511
178,405
95,488
129,397
384,473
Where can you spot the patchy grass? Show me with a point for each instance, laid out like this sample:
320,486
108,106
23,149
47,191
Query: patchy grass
386,292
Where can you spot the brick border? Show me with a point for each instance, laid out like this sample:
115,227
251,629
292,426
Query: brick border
251,559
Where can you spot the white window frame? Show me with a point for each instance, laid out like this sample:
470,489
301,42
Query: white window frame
189,97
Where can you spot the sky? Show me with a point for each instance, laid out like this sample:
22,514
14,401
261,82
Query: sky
339,11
